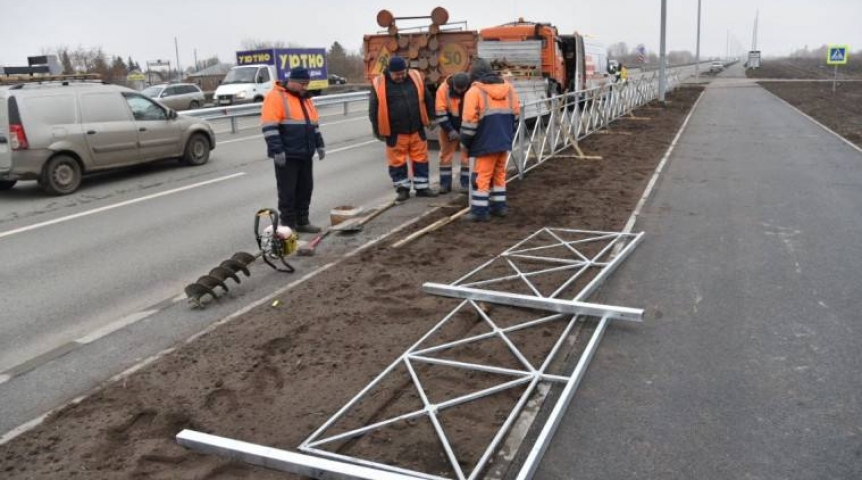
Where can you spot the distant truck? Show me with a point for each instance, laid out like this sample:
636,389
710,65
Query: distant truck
537,59
256,72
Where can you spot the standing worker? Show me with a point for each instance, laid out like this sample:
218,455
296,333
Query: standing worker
624,73
398,111
450,97
491,110
290,127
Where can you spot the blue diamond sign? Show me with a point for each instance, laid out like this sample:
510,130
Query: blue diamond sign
836,55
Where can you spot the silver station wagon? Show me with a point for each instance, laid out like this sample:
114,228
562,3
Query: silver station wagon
55,132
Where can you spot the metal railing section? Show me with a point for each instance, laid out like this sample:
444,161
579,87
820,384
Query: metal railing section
574,116
235,114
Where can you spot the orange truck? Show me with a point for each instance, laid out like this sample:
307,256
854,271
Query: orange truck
533,56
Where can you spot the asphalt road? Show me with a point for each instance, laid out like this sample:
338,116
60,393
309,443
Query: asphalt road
748,365
86,297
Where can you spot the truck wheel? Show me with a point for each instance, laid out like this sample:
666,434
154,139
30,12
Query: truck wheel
61,175
7,184
197,150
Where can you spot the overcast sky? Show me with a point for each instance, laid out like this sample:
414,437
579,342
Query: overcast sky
146,29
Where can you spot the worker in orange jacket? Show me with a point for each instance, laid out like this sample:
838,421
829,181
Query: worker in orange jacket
490,118
290,127
449,101
398,110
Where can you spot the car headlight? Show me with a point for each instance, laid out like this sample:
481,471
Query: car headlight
240,95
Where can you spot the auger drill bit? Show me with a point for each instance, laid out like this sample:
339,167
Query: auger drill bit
211,282
236,266
223,274
244,257
196,291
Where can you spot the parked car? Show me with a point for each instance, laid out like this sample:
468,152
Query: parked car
179,96
336,79
716,67
56,132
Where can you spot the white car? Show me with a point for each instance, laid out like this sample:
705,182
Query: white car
716,67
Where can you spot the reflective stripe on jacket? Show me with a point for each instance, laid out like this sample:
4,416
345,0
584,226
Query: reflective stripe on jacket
384,124
290,124
490,117
448,106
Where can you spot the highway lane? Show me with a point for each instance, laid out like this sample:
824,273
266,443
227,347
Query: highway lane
64,280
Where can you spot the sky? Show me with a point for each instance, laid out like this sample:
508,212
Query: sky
146,29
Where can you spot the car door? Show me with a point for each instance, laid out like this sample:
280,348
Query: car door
158,134
109,129
171,97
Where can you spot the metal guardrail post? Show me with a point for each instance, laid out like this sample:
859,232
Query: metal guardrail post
522,141
233,125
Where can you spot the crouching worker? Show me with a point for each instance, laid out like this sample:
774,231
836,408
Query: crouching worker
488,125
450,98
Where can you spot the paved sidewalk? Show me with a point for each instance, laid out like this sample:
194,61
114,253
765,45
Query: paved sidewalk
749,365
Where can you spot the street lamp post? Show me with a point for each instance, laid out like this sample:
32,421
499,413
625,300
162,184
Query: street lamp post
662,59
697,53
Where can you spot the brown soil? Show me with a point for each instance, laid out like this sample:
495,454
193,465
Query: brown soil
276,374
841,111
804,68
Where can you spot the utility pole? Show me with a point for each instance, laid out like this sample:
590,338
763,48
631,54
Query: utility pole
697,54
197,65
662,59
727,47
179,70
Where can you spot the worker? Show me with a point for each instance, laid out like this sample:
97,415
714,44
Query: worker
290,127
398,109
624,73
450,96
490,118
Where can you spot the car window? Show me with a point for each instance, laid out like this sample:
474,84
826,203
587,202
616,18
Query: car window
190,89
103,107
263,75
143,108
170,91
152,92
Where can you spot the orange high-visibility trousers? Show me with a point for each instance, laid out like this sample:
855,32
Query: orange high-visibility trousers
447,154
408,147
490,190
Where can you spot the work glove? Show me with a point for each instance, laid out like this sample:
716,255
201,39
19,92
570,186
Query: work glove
453,135
321,153
280,159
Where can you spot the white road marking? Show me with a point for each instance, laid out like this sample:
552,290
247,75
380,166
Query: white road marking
118,205
114,326
350,147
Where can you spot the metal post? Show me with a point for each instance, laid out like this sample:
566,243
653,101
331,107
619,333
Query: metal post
179,73
522,142
345,108
697,53
233,125
662,59
835,79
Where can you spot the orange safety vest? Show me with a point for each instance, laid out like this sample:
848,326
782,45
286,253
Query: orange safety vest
379,84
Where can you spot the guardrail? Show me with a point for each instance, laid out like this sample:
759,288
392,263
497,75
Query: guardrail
234,113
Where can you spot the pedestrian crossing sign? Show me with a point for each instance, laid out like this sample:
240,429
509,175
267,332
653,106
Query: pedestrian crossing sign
837,55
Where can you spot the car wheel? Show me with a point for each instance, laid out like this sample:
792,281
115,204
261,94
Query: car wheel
7,184
195,104
197,150
258,99
61,175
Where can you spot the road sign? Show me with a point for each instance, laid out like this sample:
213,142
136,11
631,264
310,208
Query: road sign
837,55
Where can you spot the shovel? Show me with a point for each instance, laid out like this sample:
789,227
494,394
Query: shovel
355,224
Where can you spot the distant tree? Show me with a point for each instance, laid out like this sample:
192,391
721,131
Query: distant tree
119,69
100,66
209,62
66,62
336,59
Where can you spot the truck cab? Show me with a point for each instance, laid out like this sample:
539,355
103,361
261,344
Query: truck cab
245,84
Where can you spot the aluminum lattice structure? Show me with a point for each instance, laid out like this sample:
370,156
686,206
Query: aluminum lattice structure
548,264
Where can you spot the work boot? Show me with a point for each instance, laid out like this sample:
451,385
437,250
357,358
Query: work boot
403,195
307,228
426,192
472,217
500,212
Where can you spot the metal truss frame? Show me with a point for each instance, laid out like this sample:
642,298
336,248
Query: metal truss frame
317,462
